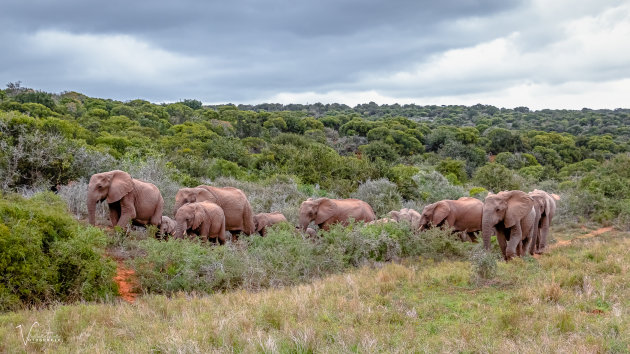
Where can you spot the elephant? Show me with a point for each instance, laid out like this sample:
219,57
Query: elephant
545,205
512,215
325,212
167,227
238,211
381,221
205,219
262,220
129,199
406,214
463,215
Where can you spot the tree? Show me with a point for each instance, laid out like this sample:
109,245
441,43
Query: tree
496,177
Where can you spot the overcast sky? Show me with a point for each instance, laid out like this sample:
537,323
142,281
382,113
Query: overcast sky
540,54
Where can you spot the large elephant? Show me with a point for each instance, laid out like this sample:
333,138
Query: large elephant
545,205
263,220
205,219
511,214
463,215
325,212
238,211
406,214
127,198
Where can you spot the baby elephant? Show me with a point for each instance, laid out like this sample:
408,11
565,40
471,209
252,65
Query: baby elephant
262,220
167,227
205,219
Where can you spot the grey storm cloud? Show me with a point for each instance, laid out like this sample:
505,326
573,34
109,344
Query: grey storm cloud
247,51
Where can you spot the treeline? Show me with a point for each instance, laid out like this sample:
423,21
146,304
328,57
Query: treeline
52,139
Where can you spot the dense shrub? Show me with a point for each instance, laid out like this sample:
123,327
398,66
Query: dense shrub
432,187
496,177
283,257
46,256
381,194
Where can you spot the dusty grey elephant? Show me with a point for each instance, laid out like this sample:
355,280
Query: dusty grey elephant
406,214
263,220
205,219
463,215
167,227
545,205
325,212
238,212
511,214
128,199
382,221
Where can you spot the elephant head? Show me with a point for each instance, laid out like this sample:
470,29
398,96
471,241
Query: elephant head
187,195
506,208
317,210
434,214
111,186
189,216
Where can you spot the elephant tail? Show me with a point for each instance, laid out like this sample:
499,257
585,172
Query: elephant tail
248,219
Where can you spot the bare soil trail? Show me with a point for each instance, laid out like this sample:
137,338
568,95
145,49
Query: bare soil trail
588,235
126,280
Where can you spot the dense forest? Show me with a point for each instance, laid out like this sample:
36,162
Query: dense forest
390,156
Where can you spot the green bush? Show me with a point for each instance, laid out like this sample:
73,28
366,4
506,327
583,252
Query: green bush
496,178
46,256
283,257
381,194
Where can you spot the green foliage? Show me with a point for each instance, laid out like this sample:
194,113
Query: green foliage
503,140
379,150
496,178
283,257
48,139
456,168
515,161
433,186
46,256
381,194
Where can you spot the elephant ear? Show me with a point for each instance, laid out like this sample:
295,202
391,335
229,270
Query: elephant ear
555,196
120,186
198,217
440,212
518,205
327,208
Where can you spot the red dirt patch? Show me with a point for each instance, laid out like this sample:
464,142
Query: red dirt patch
126,280
596,312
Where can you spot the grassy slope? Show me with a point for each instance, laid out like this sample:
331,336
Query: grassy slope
575,299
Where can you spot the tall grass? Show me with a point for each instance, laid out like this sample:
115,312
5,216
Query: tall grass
573,299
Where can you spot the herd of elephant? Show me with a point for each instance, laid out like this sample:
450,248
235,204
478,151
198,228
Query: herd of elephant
520,220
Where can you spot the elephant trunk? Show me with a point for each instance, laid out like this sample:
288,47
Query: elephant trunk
304,223
91,207
179,230
486,232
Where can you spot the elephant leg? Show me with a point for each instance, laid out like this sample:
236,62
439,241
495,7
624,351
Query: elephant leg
544,233
114,213
127,211
473,237
501,241
516,238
